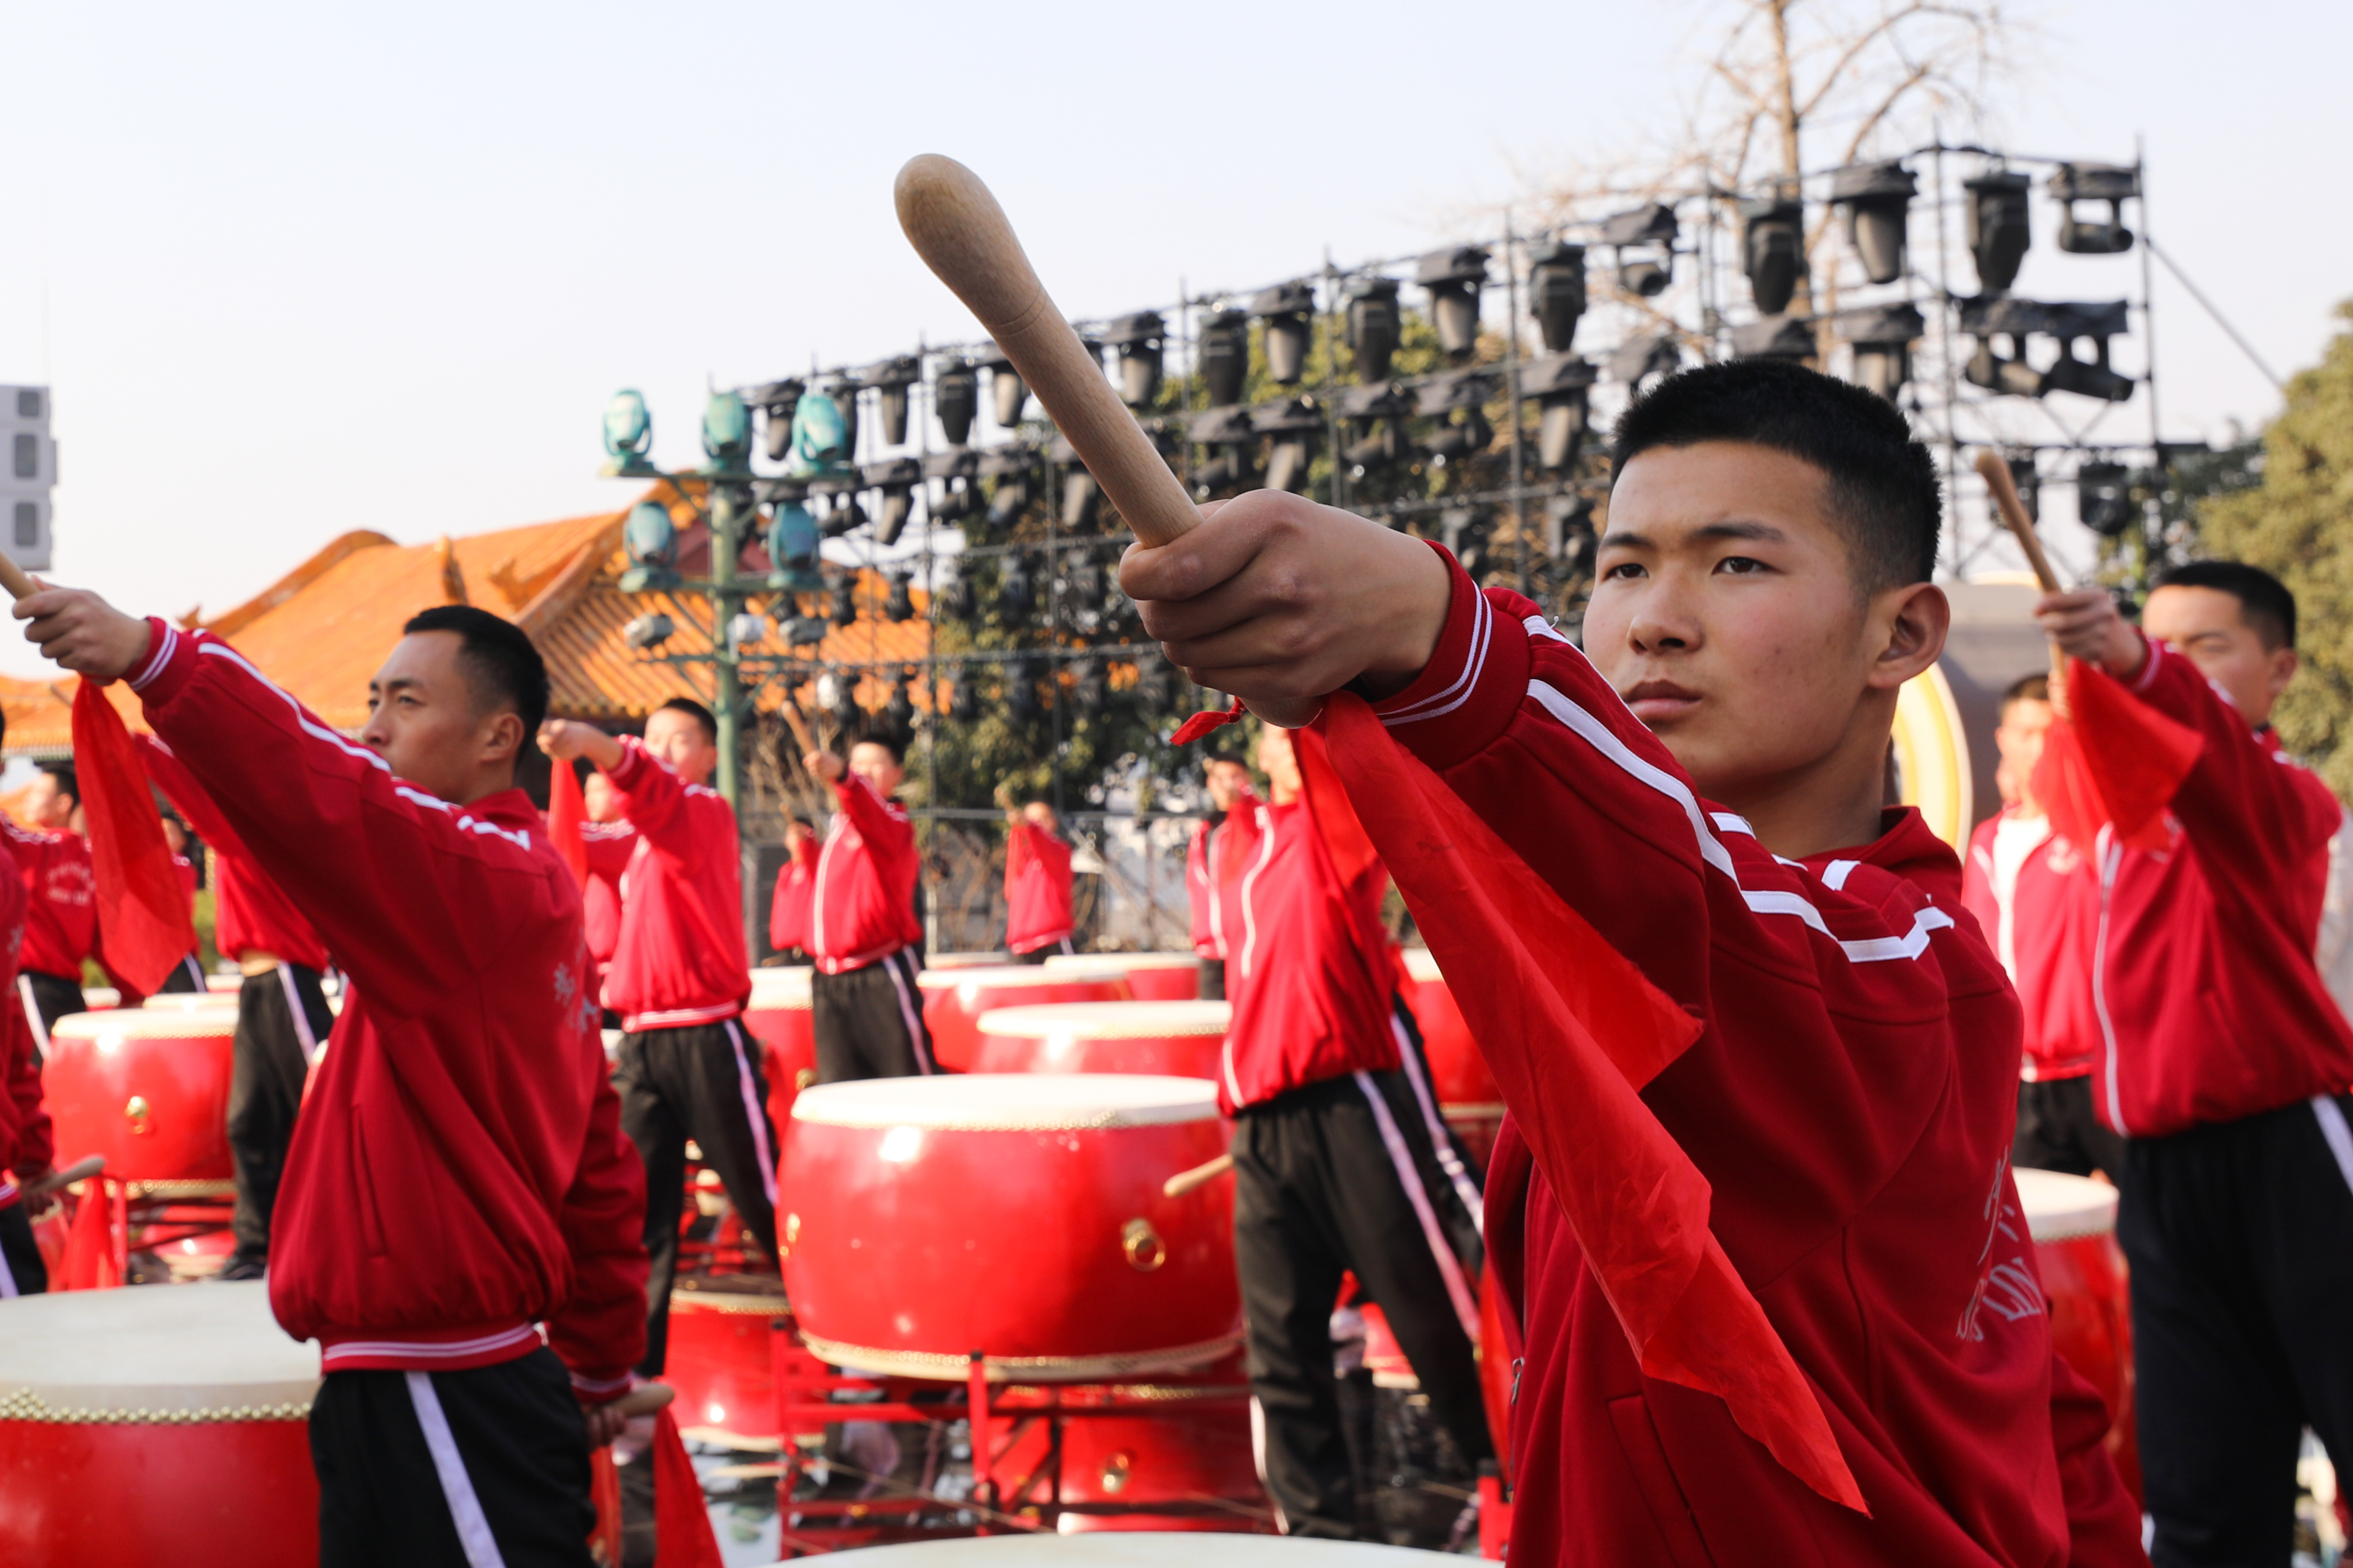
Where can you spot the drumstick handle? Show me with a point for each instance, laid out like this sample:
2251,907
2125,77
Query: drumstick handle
81,1170
645,1399
2012,509
955,225
1184,1182
13,578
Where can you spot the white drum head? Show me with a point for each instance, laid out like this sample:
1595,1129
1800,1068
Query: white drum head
1421,964
1108,1020
138,1024
780,990
2061,1207
1139,1549
231,984
191,1001
1127,959
101,997
149,1351
1010,1102
1007,975
965,960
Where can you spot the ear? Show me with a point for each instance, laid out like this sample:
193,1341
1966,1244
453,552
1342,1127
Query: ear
1909,624
2284,665
502,737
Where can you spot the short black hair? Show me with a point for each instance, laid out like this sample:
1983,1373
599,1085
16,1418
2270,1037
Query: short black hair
501,664
887,740
2026,688
68,781
1884,485
695,711
2265,602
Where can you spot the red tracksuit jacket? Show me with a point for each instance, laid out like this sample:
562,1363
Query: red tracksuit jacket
458,1175
1850,1102
864,907
2212,1005
1037,888
26,1150
1213,864
1307,970
2044,927
680,959
251,914
609,846
788,911
61,893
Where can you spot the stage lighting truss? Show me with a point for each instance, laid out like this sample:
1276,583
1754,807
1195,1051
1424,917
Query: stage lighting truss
1284,311
1877,200
889,381
1293,428
955,399
1643,243
1556,293
1372,326
792,542
1229,433
1997,226
2072,183
1561,385
1881,338
1773,250
839,492
1140,343
1454,278
1007,391
1457,400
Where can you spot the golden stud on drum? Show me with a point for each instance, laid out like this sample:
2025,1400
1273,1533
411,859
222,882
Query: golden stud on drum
155,1426
778,1017
1019,1215
147,1089
954,999
1466,1091
1179,1039
2073,1223
1151,976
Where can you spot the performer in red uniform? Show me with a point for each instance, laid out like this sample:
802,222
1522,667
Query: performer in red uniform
679,979
1333,1167
2037,901
610,839
864,1007
1706,792
1221,846
2225,1064
282,1018
188,976
61,907
26,1152
788,910
460,1178
1038,920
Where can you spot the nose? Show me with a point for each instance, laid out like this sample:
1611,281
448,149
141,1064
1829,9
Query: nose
1659,623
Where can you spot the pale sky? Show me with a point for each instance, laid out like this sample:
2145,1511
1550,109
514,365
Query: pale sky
295,269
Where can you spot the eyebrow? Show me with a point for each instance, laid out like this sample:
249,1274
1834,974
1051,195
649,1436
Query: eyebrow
1763,533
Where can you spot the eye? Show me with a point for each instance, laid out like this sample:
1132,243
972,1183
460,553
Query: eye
1624,571
1741,565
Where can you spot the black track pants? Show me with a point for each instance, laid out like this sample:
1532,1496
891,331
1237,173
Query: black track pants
869,1022
22,1271
2059,1130
46,998
1211,987
1317,1191
452,1469
703,1082
2241,1241
282,1021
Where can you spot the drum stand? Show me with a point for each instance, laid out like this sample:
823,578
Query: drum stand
160,1211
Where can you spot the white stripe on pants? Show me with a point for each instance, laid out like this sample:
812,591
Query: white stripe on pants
1448,1265
1441,1141
754,1116
456,1487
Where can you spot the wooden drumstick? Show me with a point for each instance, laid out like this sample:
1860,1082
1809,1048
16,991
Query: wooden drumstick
962,234
1184,1182
81,1170
645,1399
2005,501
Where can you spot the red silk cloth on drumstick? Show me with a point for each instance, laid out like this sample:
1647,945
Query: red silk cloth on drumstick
2111,761
143,909
1572,1030
682,1537
567,809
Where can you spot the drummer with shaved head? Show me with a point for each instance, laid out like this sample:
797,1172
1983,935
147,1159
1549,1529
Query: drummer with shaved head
458,1221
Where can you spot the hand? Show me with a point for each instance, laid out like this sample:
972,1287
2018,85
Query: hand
2086,625
825,765
77,629
564,739
606,1423
1283,602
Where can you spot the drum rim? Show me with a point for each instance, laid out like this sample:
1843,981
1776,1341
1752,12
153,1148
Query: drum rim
794,979
942,1367
140,1024
186,1001
1016,1022
1186,1101
2090,1208
1128,960
1082,973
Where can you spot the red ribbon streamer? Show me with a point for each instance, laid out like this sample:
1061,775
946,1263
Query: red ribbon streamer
2111,761
142,909
567,809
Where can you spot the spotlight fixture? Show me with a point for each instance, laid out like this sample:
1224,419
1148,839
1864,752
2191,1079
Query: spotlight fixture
2095,324
1227,431
959,496
889,379
1650,229
806,631
1999,230
1462,392
2072,183
1285,309
1773,250
1005,386
2001,327
2103,498
845,600
1877,200
651,541
1082,581
1373,326
899,605
775,401
1557,292
1376,416
792,547
1638,358
1560,384
956,600
848,716
1882,339
1773,337
649,630
895,478
1568,534
842,512
1292,427
1140,340
1157,685
899,713
1088,690
628,436
726,434
1014,468
1081,496
1015,595
963,696
956,400
1021,690
1223,352
747,626
2028,483
822,436
1454,278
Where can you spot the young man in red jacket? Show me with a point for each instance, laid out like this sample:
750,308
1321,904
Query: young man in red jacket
26,1150
458,1225
1705,790
1038,920
1220,845
282,1018
788,909
1335,1169
2037,899
2225,1064
679,978
609,840
865,1009
61,901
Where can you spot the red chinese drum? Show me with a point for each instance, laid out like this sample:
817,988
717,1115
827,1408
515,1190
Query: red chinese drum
1180,1039
192,1002
2074,1221
155,1426
147,1089
1151,976
1191,1455
1467,1096
954,999
1017,1215
965,960
778,1017
721,1359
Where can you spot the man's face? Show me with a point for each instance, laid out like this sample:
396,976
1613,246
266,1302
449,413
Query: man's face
428,724
677,740
876,766
1227,783
46,804
2018,745
1726,613
1278,759
795,835
1037,814
176,837
598,797
2209,627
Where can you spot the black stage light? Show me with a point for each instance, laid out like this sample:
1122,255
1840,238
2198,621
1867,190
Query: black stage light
1082,581
1466,539
1081,496
2072,183
955,399
1568,533
895,478
955,598
1556,293
1015,597
1999,230
1882,339
1021,690
848,716
963,696
1223,350
776,401
1773,250
1286,310
1559,383
2103,498
900,603
2093,323
1014,470
899,713
1877,200
842,512
891,379
959,496
1088,688
2001,327
1638,358
1157,684
1228,433
1376,416
1442,397
1373,326
1774,337
1454,278
1140,340
1292,427
806,631
2027,481
1006,387
649,630
1650,233
845,599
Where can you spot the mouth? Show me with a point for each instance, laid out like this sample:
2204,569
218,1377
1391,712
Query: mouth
1656,702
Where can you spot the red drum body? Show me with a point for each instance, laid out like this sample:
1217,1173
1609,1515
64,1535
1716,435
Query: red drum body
155,1426
1178,1039
954,999
778,1017
2074,1221
1384,1357
1151,976
1191,1459
721,1359
1020,1216
1467,1095
147,1089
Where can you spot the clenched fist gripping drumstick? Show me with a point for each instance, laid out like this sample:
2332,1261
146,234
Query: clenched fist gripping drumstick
958,230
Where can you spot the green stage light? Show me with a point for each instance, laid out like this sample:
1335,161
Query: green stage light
628,435
726,434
